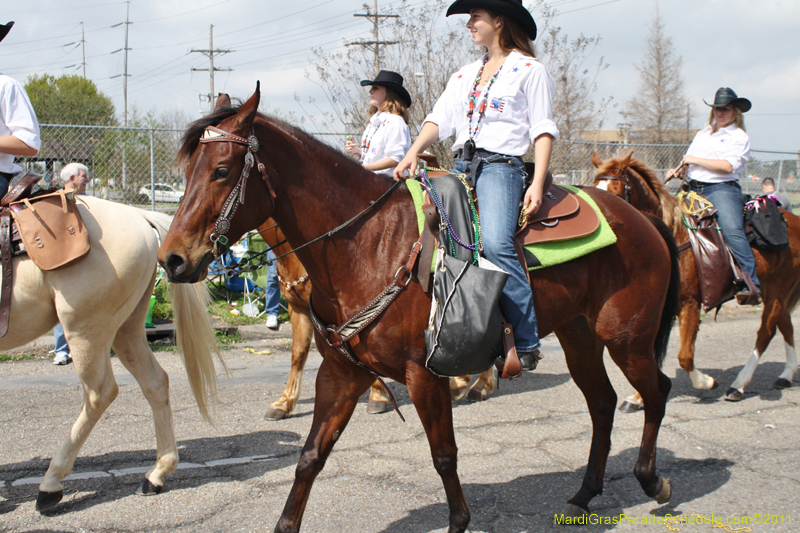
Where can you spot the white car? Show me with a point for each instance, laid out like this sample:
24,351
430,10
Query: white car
163,193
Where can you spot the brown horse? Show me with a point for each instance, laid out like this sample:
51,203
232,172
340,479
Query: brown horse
622,296
296,288
779,273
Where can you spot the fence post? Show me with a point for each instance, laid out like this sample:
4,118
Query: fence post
780,174
152,171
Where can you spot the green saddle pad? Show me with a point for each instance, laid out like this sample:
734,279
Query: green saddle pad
550,253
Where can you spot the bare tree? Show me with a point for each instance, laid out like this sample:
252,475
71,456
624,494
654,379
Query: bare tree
659,106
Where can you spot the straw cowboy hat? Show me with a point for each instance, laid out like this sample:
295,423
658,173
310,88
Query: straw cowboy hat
390,80
4,29
512,8
725,96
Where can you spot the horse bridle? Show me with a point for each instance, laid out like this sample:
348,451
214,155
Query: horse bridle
236,196
627,193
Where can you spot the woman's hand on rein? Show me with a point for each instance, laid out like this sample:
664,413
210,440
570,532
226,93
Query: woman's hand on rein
532,201
409,162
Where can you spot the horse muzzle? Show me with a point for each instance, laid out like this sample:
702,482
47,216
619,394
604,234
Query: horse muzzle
179,270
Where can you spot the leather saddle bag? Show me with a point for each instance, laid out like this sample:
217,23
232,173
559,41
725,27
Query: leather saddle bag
52,229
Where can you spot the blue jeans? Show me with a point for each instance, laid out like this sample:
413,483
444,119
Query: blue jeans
727,198
499,185
61,340
273,289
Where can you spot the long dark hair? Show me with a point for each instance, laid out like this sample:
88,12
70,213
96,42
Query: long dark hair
512,36
393,104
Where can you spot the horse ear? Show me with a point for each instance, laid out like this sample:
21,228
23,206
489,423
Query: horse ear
247,113
627,160
223,100
596,161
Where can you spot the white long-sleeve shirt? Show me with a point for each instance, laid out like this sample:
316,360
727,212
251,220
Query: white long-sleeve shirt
728,143
17,118
388,136
519,109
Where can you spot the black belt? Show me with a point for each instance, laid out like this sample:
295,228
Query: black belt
7,175
479,155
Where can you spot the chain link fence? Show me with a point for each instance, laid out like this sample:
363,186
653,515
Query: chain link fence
137,166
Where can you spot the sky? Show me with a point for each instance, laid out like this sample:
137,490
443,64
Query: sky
752,46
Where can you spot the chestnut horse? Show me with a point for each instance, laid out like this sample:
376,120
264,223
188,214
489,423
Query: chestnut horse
622,296
779,273
296,288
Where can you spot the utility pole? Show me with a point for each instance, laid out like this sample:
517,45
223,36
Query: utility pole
125,77
83,50
374,44
211,52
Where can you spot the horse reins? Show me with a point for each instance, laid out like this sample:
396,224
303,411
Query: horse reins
627,185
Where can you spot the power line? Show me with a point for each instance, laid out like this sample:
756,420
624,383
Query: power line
374,44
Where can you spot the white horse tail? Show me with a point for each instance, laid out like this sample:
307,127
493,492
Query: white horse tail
193,332
196,340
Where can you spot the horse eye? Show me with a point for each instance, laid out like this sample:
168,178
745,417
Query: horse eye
221,173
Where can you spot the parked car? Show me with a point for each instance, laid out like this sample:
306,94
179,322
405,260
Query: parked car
163,193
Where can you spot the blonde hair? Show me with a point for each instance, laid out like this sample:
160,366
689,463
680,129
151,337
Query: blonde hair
393,104
738,119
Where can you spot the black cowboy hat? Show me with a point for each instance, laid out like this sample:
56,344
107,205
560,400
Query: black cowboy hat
4,29
513,8
390,80
725,96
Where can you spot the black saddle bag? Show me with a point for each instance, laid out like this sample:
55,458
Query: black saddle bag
767,227
464,334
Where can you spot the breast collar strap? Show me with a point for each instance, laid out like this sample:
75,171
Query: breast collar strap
237,195
624,180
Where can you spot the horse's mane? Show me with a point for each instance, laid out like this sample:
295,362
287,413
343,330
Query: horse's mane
616,166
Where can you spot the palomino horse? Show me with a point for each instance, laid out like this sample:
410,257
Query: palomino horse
102,302
622,296
296,288
779,273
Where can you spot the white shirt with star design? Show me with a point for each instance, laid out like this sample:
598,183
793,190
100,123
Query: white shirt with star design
519,109
392,139
728,143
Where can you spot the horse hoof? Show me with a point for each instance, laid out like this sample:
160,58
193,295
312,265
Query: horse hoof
48,500
146,488
733,395
574,511
275,414
665,492
476,395
457,394
714,385
781,383
629,407
375,407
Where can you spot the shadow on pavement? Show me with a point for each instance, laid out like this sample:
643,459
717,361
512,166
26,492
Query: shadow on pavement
282,447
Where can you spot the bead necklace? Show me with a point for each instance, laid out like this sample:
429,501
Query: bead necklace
484,103
367,141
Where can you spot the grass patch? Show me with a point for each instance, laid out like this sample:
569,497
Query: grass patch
16,357
224,339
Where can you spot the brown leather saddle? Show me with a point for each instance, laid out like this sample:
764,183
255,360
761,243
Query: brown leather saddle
11,242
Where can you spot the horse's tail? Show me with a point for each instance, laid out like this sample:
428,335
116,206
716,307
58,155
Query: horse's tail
671,305
193,332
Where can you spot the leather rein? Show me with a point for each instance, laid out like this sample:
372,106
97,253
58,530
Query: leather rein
625,181
337,337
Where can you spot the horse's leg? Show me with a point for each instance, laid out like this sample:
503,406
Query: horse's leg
302,333
637,362
458,387
483,386
584,353
378,402
90,354
338,388
431,399
784,381
769,323
689,323
130,345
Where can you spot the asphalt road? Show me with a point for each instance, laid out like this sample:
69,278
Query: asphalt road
522,453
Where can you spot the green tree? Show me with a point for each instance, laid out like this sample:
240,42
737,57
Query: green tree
72,100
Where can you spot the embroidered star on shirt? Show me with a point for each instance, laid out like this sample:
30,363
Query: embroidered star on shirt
515,69
527,64
460,76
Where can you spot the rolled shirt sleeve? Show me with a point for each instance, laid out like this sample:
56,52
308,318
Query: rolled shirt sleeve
738,151
397,138
539,90
19,116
